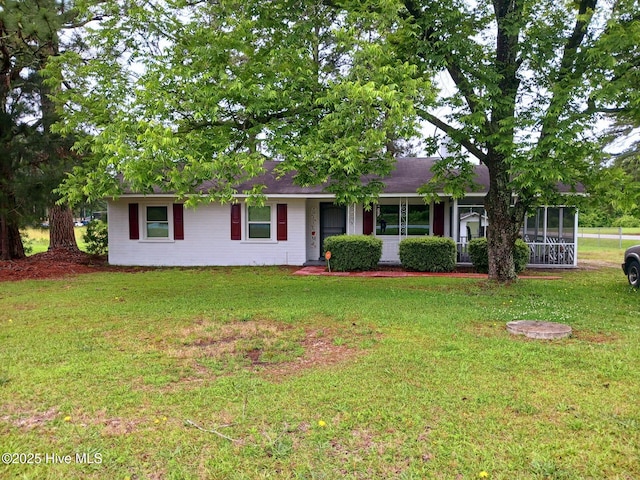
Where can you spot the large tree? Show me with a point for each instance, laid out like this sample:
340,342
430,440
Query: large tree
33,159
189,91
529,79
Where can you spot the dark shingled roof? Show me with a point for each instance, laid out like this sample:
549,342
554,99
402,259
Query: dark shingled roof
409,174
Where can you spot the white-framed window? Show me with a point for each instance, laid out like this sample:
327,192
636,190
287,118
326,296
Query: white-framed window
156,222
259,222
388,219
418,219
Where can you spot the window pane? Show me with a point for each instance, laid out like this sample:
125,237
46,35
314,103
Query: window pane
260,214
568,223
553,224
473,223
534,230
157,230
388,221
418,220
157,214
259,230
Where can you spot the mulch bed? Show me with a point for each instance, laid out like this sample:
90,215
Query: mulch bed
61,262
53,264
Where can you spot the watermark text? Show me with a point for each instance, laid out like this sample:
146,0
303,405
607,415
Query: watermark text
32,458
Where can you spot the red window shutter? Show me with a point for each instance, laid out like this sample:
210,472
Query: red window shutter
236,227
438,219
282,221
367,221
134,225
178,221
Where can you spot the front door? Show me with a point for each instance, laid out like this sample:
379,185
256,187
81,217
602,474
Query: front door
333,221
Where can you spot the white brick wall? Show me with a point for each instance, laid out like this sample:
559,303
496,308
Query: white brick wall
207,237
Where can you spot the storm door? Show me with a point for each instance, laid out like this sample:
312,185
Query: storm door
333,221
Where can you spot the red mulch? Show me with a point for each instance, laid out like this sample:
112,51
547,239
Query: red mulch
61,262
53,264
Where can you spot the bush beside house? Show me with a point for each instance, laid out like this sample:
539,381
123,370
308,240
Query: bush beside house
96,238
480,257
353,252
428,254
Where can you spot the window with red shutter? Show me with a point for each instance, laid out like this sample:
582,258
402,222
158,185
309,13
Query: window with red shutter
134,225
236,226
282,221
178,221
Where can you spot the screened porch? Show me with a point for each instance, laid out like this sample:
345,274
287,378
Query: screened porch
550,232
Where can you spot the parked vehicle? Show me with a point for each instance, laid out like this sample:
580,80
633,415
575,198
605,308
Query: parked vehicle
631,265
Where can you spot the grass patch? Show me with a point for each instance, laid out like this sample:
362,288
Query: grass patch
603,250
255,373
38,238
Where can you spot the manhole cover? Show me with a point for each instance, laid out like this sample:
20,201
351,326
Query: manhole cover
537,329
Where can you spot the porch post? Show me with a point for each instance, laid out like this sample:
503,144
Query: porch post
575,238
455,234
351,219
403,217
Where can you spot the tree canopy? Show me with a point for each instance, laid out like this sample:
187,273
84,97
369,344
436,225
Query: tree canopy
185,91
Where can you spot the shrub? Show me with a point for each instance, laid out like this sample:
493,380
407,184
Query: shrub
479,254
353,252
521,255
27,243
480,257
428,254
96,237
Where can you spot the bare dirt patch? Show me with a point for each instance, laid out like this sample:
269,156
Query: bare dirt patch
27,418
597,264
595,337
30,420
269,348
119,426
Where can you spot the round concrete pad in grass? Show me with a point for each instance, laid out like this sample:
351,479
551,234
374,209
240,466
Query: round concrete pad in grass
537,329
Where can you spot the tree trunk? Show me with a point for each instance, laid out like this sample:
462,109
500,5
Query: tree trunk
504,224
11,247
61,234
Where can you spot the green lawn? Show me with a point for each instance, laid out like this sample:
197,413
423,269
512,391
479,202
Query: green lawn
38,239
234,373
603,250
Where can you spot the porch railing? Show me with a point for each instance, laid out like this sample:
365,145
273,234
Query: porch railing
540,253
552,253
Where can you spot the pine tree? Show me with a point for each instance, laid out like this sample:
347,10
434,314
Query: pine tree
33,159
